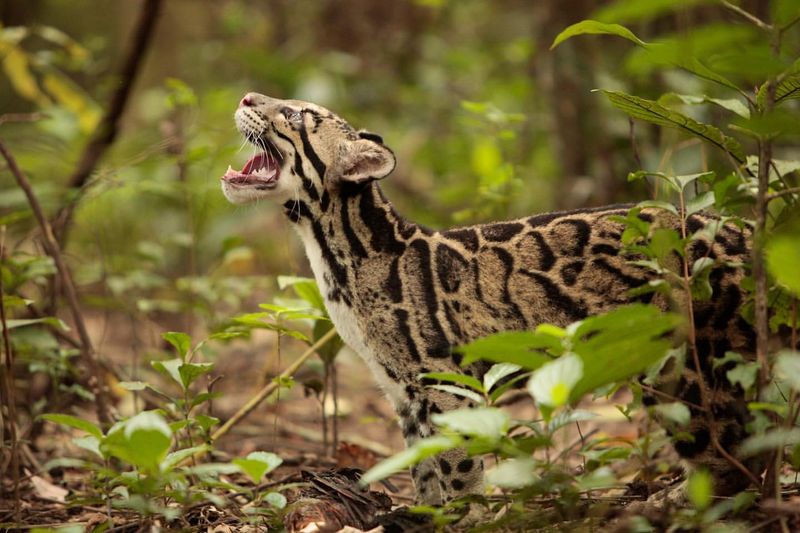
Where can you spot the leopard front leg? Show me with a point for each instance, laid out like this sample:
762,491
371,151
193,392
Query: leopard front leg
450,474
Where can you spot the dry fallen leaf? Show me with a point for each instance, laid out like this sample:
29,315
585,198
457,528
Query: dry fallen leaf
48,491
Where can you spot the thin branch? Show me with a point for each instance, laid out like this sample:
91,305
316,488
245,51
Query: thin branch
271,387
784,192
7,388
107,130
54,251
749,16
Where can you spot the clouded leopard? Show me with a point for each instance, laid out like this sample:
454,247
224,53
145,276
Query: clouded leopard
403,296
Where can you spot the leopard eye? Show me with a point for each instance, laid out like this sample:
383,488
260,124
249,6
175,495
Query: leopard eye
292,115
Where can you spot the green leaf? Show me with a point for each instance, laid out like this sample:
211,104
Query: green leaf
74,422
697,203
636,330
143,440
191,371
700,489
651,111
512,474
788,89
275,499
744,374
787,368
666,206
593,27
674,412
552,383
518,347
783,257
731,104
305,288
498,372
206,422
459,391
90,443
462,379
772,440
417,452
258,464
14,323
174,459
181,341
486,422
170,368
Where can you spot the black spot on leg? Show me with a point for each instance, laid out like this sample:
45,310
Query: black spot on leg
445,466
457,484
465,465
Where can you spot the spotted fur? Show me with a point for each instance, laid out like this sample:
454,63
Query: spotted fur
403,296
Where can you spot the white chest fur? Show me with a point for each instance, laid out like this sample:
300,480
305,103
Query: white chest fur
348,323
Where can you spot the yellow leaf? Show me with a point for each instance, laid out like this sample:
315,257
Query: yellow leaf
73,98
16,66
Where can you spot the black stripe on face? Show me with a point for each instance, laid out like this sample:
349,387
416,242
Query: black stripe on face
312,156
352,239
308,185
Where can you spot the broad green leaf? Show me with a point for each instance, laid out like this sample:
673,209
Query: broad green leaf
174,459
674,412
417,452
258,464
512,474
191,371
787,368
523,348
788,89
593,27
552,383
170,368
638,331
700,489
744,374
181,341
143,440
651,111
485,422
657,204
498,372
626,11
206,422
305,288
565,418
731,104
74,422
783,257
772,440
90,443
330,349
276,499
459,391
462,379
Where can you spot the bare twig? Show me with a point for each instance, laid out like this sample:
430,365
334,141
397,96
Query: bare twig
107,130
22,117
749,16
271,387
7,387
784,192
54,251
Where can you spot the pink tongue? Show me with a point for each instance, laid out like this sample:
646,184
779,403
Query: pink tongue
255,163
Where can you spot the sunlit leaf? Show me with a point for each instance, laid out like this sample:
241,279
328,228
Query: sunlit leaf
552,383
74,422
523,348
512,474
257,464
655,113
593,27
181,341
417,452
783,257
275,499
485,422
459,391
787,368
451,377
496,373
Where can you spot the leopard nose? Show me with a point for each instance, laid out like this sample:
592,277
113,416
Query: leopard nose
247,101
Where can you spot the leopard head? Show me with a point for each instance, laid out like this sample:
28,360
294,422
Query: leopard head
305,154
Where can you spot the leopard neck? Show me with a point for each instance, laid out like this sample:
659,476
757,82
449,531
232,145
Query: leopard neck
344,232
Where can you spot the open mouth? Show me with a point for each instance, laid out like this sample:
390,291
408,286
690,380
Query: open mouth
261,171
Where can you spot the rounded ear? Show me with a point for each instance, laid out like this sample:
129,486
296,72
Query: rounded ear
365,159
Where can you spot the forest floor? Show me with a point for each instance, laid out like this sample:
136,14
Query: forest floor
289,424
